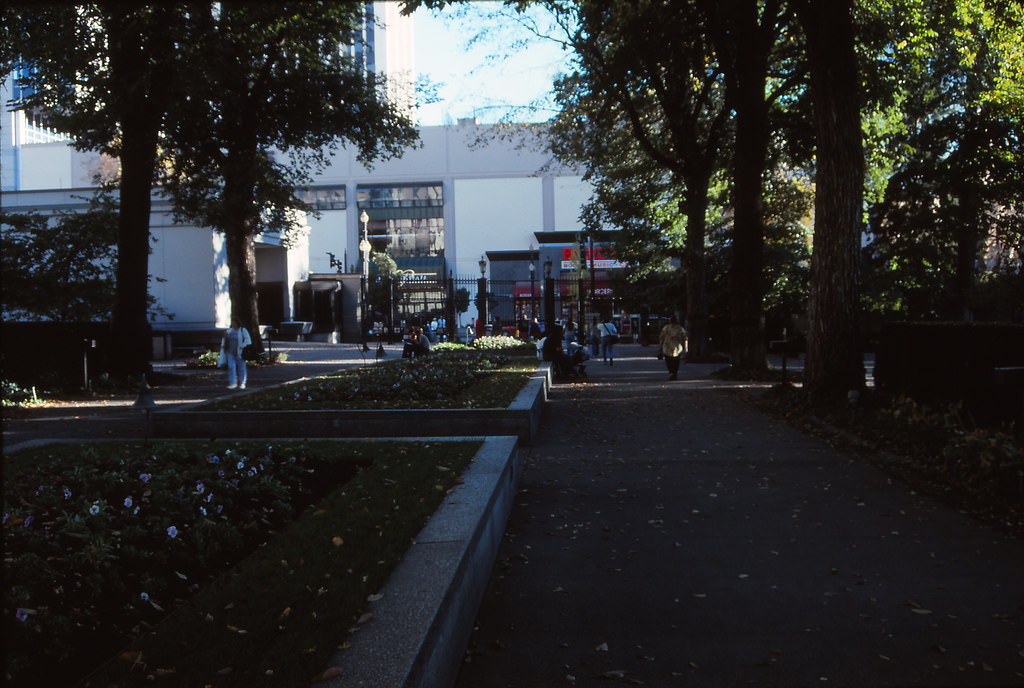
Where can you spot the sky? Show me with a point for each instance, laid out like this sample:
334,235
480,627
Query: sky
471,86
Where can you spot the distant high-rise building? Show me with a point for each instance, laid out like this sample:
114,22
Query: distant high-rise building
386,46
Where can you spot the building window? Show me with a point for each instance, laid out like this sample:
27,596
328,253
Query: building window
408,237
324,197
427,195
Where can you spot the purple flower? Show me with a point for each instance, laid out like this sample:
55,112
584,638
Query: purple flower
21,615
28,520
144,596
127,502
200,487
67,493
95,508
145,477
212,458
172,532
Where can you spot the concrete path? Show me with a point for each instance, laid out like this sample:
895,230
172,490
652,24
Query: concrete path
667,534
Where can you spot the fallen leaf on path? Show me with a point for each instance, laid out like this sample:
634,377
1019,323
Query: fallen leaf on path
327,674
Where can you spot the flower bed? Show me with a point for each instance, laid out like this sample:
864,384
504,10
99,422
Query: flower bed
454,379
119,545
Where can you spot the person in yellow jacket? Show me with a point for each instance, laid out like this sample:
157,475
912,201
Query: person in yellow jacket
232,345
672,345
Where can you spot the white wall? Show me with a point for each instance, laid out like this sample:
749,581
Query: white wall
46,166
328,233
571,193
186,258
495,215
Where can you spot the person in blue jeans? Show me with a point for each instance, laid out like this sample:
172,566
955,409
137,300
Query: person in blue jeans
609,335
231,347
594,335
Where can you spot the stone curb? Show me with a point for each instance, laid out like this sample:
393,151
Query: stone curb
423,617
521,418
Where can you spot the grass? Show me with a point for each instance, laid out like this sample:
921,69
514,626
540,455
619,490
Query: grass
457,378
204,563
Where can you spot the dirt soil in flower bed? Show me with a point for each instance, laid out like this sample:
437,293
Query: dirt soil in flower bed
204,563
457,379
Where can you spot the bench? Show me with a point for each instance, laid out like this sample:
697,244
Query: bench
190,343
294,330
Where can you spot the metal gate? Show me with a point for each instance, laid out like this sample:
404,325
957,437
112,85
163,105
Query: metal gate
458,308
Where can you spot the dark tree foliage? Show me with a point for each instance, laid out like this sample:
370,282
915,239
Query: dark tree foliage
948,234
59,268
106,74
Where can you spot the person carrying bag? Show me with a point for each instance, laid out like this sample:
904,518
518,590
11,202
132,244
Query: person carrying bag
609,338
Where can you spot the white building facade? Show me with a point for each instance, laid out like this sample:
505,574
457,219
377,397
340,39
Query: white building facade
464,192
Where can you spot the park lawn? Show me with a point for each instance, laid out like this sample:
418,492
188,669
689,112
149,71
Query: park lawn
450,380
204,563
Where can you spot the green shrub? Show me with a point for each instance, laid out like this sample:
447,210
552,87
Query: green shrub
208,359
16,395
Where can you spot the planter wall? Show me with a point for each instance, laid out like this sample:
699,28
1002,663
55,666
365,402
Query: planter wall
520,419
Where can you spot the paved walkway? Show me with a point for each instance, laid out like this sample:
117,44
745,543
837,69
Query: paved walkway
667,534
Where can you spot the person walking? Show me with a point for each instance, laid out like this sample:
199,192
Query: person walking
671,345
594,338
232,347
609,337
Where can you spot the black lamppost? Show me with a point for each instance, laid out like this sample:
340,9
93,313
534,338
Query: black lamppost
533,298
549,299
481,293
364,249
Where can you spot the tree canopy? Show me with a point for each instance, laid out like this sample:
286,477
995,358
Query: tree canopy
280,91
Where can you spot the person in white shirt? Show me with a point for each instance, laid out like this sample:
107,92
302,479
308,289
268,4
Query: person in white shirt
609,337
232,346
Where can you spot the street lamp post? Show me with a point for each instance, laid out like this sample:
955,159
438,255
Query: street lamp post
481,295
364,249
533,299
549,299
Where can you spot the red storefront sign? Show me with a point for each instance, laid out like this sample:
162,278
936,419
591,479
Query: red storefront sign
602,258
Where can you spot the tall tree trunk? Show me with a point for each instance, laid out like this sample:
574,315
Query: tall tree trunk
132,343
967,230
834,357
240,227
748,346
695,207
140,124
